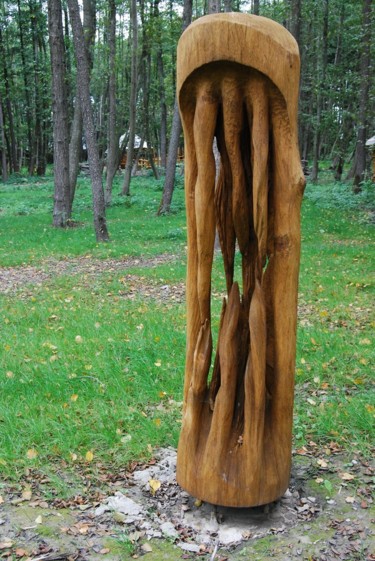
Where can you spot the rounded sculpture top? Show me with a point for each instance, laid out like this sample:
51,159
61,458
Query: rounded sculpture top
253,41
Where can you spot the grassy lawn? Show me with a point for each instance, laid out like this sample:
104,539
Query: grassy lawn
91,363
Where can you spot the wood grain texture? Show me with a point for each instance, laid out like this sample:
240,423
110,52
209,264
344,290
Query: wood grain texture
238,79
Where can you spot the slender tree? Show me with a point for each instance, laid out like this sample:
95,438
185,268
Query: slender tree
4,167
113,137
27,87
165,203
360,154
321,73
255,7
214,6
60,116
75,145
161,85
133,99
9,109
83,82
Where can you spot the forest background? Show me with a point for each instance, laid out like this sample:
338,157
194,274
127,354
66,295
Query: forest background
119,93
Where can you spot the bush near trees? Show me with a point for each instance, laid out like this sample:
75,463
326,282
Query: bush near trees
336,102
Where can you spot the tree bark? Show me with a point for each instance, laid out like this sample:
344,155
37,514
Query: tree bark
75,145
165,203
161,88
321,73
4,166
133,99
360,154
14,164
255,7
296,19
83,79
60,115
40,84
112,150
166,200
214,6
26,90
145,81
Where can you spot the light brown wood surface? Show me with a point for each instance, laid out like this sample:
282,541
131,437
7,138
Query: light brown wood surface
237,80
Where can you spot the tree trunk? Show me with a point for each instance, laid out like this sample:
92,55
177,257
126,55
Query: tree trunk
112,150
75,145
360,154
255,9
319,100
161,88
145,80
39,87
214,6
60,115
165,203
25,73
83,80
133,99
228,6
4,167
296,20
14,164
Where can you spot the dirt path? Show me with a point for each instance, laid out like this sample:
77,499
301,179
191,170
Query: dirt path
13,279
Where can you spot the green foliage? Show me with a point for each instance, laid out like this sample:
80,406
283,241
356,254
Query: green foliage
334,196
33,238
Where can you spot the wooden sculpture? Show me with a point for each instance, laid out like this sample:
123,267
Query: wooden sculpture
237,80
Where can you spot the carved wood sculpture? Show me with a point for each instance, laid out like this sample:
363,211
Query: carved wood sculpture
238,79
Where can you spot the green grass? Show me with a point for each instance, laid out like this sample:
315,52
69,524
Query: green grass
89,376
27,235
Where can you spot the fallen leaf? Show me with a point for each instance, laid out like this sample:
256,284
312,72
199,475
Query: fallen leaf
6,544
365,342
78,339
197,503
322,463
154,486
146,548
26,494
1,500
311,401
39,520
89,456
347,476
31,454
74,397
21,552
119,517
350,500
104,551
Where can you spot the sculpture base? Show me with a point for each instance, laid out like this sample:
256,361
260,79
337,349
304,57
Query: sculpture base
239,479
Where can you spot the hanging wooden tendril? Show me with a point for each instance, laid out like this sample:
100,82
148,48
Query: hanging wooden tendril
238,79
